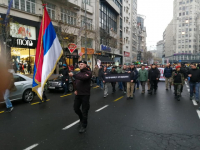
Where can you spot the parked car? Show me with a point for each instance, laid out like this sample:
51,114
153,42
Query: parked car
24,88
56,84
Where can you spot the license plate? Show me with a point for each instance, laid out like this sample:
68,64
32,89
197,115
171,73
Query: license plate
51,87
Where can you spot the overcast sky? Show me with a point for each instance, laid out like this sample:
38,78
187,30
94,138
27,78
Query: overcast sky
158,14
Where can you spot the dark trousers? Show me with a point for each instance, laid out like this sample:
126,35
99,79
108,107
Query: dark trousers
83,114
44,97
177,89
124,85
65,86
113,86
154,85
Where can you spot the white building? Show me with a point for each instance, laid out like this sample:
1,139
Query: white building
168,40
185,25
159,48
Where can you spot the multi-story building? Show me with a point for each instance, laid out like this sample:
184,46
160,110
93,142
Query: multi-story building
134,29
68,18
159,48
141,31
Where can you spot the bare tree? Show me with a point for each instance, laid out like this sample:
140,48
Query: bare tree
147,56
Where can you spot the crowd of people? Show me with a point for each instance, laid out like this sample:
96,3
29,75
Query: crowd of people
175,75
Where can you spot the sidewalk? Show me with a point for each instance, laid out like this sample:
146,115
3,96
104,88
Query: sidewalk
51,77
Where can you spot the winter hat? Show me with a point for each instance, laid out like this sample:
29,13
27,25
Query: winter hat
178,67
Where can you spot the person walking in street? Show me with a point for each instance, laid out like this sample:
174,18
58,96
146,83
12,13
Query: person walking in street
82,94
143,77
105,85
113,71
124,70
96,74
65,78
177,81
131,84
119,70
167,74
100,76
11,88
184,71
153,77
148,82
194,75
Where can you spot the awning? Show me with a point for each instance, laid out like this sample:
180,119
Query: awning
104,59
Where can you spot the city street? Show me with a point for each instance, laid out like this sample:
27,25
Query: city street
144,123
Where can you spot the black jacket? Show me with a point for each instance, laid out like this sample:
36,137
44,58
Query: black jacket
195,75
100,73
103,74
82,82
65,73
184,72
153,74
134,74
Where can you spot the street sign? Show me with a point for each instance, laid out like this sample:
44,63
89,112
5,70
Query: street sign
179,60
72,47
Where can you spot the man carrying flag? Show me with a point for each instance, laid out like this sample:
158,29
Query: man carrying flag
48,53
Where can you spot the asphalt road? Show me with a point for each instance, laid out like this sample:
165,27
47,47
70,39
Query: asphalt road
156,122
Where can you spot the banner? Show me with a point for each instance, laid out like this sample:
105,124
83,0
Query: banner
161,74
122,77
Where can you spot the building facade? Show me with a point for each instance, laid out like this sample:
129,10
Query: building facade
159,48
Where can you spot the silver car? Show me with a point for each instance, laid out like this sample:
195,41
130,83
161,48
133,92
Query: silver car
24,88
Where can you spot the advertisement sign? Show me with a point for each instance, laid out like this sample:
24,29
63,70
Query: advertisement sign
105,48
161,74
72,47
126,54
22,31
90,51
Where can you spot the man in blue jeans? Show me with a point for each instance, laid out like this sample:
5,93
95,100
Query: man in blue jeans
194,75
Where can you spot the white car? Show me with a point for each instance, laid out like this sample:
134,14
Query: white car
24,88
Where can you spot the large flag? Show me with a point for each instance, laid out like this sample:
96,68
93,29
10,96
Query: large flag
48,53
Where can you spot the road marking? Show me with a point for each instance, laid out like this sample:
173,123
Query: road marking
1,112
48,100
188,90
69,126
101,108
35,103
65,95
118,99
198,112
187,86
31,147
194,102
96,87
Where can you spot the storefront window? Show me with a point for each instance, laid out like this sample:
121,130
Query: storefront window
23,60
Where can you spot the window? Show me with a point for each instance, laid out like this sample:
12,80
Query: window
182,46
183,13
182,41
87,1
190,29
88,22
89,42
189,46
186,41
51,10
24,5
179,14
179,41
68,17
18,78
179,8
187,13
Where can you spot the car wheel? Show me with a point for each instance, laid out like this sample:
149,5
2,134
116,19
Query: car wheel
28,96
71,88
91,83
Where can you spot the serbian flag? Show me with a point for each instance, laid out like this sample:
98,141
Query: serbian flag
48,53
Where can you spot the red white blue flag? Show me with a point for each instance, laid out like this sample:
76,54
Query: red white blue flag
48,53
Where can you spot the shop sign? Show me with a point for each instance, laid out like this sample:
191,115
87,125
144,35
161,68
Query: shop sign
23,42
115,51
126,54
105,48
90,51
72,47
22,31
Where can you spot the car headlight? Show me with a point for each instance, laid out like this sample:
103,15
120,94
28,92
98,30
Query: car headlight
59,83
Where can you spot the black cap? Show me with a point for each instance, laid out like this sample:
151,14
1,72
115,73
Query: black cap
82,61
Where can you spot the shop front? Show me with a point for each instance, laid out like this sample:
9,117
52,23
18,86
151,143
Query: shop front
127,58
90,56
71,58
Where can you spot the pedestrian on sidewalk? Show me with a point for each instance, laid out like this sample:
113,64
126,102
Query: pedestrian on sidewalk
143,77
131,84
65,78
96,74
153,77
194,75
105,84
82,94
177,81
168,74
124,70
119,70
11,88
113,71
100,77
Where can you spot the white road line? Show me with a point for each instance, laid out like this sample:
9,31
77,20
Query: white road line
101,108
198,112
69,126
31,147
188,90
194,102
187,86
